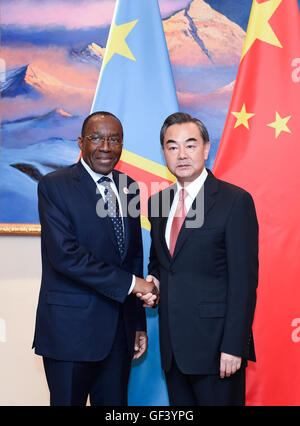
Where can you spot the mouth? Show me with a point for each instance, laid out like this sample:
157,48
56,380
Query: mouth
183,166
104,160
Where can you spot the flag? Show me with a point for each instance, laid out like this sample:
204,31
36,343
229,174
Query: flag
260,151
136,84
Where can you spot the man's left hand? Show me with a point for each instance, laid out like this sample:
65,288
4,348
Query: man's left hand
229,364
140,344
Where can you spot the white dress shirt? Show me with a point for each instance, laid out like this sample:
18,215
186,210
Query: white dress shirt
192,190
96,176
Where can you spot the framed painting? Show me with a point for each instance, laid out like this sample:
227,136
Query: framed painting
51,57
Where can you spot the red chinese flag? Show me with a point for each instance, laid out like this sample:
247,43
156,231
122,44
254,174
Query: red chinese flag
260,151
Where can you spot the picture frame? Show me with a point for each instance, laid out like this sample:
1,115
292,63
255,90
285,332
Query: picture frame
20,229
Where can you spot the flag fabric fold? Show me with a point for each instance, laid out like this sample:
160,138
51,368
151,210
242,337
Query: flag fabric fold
260,152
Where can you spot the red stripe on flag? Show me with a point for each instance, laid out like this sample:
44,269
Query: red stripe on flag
149,183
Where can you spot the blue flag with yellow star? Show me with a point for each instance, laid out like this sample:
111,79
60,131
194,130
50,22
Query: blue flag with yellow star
136,81
136,84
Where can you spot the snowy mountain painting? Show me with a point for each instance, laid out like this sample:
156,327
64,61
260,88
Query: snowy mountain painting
53,52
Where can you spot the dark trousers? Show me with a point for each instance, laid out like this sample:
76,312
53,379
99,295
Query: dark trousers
205,390
106,381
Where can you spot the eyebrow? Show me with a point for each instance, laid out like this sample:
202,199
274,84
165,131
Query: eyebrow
187,140
100,134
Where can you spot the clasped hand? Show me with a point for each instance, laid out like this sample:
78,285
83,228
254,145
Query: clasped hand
147,290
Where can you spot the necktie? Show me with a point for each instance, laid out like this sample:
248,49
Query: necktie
112,206
178,220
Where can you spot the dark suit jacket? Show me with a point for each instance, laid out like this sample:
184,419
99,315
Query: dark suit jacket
85,282
208,288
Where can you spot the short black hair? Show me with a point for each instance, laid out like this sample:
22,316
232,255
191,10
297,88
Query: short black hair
180,118
104,113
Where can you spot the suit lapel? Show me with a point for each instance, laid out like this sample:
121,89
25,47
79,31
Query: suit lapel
85,184
91,195
166,201
211,188
207,196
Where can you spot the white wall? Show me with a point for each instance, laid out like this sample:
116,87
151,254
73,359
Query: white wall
22,379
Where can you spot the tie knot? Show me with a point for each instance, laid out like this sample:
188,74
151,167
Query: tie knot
104,179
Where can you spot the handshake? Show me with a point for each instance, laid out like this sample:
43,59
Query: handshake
147,290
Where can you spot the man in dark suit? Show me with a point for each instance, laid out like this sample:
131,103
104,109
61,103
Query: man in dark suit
89,321
204,257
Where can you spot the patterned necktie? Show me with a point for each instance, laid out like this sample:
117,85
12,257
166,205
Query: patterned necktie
178,220
112,206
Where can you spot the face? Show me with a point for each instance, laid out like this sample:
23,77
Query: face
185,151
101,145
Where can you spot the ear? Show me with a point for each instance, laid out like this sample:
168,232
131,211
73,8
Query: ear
206,149
80,142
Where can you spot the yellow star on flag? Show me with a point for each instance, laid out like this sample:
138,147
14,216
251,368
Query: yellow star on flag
280,125
116,41
259,27
242,117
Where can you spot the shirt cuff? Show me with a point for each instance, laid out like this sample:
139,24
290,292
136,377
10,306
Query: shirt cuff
132,284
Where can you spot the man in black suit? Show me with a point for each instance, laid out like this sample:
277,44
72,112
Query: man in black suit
89,321
204,257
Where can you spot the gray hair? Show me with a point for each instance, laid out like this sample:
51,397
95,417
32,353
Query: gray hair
180,118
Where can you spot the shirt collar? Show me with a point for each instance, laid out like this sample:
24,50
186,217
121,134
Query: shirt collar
194,187
94,175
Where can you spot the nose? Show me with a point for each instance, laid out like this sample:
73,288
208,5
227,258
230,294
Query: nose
105,146
181,152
